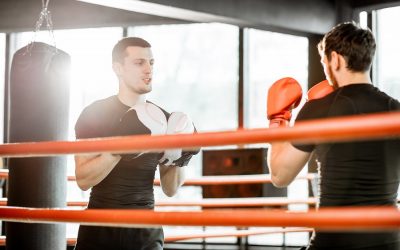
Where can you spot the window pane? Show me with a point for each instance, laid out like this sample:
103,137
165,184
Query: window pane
195,75
2,73
388,51
196,72
273,56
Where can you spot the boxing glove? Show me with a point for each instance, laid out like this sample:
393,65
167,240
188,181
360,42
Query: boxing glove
319,90
141,119
178,123
283,96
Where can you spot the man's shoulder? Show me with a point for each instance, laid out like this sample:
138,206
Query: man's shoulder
93,117
100,105
394,103
102,102
371,96
97,109
167,114
314,109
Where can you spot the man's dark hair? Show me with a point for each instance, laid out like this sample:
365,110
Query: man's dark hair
119,52
355,44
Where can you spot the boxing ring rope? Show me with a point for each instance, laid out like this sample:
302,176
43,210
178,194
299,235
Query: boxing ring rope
343,219
363,127
203,235
209,180
4,173
234,233
214,202
237,202
358,127
234,179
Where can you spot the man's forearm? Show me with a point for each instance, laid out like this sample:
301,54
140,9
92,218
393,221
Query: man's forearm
92,169
285,162
172,177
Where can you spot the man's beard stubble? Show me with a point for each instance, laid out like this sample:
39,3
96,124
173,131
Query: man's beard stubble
140,90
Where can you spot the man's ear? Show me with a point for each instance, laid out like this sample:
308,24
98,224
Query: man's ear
342,62
335,60
117,68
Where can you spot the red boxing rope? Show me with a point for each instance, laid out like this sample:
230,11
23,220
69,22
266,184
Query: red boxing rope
343,219
359,127
211,180
214,202
203,235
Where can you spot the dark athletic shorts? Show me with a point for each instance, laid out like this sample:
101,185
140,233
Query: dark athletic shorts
392,246
102,238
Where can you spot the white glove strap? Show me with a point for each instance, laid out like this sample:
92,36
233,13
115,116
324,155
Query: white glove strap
178,123
152,117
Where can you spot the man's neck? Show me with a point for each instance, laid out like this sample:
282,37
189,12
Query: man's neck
130,99
354,78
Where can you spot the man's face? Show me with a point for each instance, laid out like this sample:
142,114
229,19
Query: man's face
136,71
328,71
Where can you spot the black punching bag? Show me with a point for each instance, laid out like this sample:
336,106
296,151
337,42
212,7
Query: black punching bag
39,104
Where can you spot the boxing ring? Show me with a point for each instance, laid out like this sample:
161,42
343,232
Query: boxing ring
374,126
317,131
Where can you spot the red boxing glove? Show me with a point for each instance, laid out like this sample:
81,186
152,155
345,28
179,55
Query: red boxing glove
283,96
319,90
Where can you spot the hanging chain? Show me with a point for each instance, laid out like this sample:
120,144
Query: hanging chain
44,15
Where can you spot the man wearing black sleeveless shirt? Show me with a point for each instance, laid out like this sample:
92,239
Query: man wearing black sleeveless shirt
362,173
115,180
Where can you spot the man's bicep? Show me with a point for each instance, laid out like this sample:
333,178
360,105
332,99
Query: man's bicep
162,169
165,173
88,125
286,162
83,158
171,179
298,156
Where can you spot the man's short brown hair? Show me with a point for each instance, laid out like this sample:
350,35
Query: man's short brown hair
119,52
355,44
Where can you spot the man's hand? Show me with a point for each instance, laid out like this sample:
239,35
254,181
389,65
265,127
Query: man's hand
319,90
178,123
283,96
143,118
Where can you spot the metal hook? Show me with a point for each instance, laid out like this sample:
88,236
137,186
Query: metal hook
44,15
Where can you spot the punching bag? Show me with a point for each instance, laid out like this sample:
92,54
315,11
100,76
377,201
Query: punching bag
38,111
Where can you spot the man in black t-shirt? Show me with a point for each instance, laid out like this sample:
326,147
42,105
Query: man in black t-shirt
125,181
358,173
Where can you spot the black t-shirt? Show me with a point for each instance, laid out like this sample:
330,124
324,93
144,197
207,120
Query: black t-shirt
354,173
130,183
